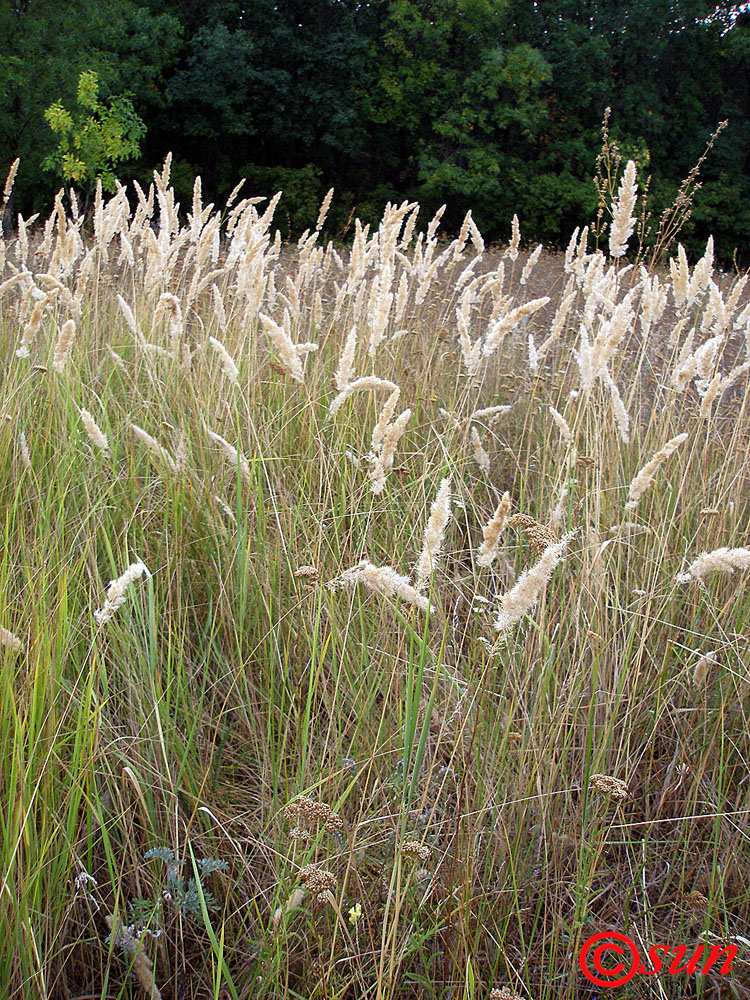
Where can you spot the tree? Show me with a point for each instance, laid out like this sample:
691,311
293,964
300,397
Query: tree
95,138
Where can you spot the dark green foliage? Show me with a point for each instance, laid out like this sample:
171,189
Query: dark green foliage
490,104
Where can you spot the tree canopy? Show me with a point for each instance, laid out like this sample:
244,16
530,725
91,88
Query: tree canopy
493,105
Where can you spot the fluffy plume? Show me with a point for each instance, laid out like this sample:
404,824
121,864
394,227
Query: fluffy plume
492,531
383,462
508,322
719,561
289,352
646,475
384,580
530,265
440,515
345,372
8,640
524,595
366,382
154,447
117,591
562,424
96,435
63,345
235,458
623,220
227,362
480,454
515,240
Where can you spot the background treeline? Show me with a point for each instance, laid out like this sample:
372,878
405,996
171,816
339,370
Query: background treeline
493,105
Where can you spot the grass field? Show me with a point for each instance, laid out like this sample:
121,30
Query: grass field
403,687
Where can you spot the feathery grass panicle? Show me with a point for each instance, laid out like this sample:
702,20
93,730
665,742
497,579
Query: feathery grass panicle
290,353
491,413
622,418
127,312
703,667
235,458
646,476
515,240
9,641
562,425
117,592
530,265
384,580
481,456
95,433
358,385
503,326
63,345
10,181
345,371
154,447
383,462
440,515
523,596
623,219
227,362
24,449
724,560
491,532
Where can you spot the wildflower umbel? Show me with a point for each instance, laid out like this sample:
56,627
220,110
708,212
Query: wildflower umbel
9,640
307,811
416,850
117,590
318,881
615,788
503,993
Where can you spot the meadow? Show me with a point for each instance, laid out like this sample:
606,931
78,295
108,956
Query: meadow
373,617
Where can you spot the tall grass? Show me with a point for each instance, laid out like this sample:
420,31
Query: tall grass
294,703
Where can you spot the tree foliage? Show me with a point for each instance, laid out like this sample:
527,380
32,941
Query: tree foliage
490,104
93,139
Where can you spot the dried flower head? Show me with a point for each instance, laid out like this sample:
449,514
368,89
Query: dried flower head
697,901
306,572
615,788
503,993
539,536
415,849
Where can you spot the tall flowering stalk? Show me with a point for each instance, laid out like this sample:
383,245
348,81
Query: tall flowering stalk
524,595
117,592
